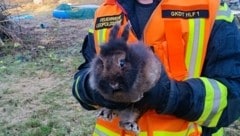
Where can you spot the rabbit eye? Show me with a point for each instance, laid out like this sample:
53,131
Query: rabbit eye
122,62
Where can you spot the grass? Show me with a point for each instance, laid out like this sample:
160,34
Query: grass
36,99
35,95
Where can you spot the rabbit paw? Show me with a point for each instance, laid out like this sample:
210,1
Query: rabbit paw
130,126
106,114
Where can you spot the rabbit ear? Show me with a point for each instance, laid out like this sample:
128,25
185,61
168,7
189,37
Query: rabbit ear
114,31
125,33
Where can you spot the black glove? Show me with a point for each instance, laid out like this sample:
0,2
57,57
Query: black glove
99,100
157,97
95,98
169,96
90,99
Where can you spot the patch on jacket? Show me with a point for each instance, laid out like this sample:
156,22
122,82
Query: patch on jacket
185,14
108,21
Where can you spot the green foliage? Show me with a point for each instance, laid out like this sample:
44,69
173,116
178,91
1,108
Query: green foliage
23,64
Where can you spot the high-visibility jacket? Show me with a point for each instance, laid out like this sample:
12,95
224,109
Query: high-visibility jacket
178,32
183,23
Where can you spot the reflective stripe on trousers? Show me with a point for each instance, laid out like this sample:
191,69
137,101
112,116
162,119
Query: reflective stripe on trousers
193,130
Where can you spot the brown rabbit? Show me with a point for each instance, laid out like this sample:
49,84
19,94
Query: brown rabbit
123,73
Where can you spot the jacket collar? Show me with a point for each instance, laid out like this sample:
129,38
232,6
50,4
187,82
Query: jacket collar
129,8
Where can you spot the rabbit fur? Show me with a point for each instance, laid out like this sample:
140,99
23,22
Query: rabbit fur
123,72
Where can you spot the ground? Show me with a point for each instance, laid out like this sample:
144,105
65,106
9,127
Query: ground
36,75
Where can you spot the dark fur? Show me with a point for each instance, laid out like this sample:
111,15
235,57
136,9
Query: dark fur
123,73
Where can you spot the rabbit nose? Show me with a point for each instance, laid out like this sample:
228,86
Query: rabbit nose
114,85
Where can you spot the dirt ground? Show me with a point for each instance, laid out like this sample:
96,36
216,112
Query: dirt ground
35,95
56,32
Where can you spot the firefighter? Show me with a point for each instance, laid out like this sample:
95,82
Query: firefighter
199,45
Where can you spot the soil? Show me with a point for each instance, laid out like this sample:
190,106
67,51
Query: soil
45,30
56,34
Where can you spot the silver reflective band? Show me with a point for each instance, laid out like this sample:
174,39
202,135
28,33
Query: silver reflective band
225,13
216,102
195,47
99,133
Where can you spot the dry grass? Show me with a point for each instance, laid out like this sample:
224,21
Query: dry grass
36,76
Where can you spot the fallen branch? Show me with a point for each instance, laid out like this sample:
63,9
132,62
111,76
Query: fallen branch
7,27
10,34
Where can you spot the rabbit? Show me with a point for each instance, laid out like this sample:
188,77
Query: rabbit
123,72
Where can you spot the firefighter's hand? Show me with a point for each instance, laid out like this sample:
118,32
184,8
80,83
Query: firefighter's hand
167,95
89,98
99,100
157,97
